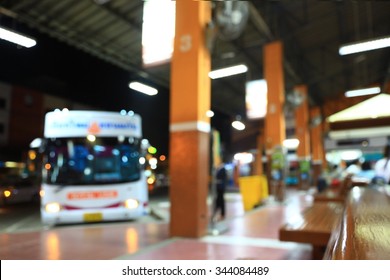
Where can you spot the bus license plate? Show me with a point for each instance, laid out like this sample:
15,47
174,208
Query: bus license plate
93,217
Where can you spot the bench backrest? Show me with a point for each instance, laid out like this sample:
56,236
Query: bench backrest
364,231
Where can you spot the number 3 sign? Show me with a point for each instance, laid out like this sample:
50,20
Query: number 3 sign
185,43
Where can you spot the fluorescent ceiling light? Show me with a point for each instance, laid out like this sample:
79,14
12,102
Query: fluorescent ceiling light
244,158
291,144
16,38
365,46
36,143
143,88
210,113
238,125
362,91
229,71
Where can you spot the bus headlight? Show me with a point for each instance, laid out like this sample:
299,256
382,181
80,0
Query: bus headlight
131,203
52,207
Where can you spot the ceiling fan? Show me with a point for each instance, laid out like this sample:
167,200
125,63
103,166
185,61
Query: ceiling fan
229,19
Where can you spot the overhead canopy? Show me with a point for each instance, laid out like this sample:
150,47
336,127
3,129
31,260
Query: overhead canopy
370,118
375,107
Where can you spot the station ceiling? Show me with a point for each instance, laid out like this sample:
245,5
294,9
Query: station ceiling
91,46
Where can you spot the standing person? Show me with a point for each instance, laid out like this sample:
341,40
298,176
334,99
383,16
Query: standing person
382,167
221,182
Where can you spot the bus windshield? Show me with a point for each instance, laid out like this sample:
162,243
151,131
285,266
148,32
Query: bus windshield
79,161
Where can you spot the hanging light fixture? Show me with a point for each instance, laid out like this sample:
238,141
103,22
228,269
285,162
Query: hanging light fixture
210,113
16,38
238,124
228,71
365,46
143,88
362,91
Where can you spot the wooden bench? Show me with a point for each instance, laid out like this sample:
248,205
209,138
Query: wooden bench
314,226
335,194
329,195
340,194
363,233
360,182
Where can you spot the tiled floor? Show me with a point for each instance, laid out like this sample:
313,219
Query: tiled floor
250,235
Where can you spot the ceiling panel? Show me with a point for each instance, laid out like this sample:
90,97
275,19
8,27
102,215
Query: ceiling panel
311,32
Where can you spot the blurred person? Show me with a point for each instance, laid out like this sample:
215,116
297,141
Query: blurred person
331,177
382,167
335,170
367,171
221,182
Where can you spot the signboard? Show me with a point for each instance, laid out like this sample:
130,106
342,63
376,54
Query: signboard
158,31
256,99
83,123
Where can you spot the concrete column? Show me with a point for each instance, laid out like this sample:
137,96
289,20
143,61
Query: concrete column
258,170
189,125
302,134
317,143
275,126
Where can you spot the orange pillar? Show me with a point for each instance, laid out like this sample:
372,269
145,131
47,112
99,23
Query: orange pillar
189,125
317,142
259,156
302,124
302,134
275,126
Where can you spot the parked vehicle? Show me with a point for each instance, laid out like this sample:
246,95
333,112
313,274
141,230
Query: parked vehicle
17,189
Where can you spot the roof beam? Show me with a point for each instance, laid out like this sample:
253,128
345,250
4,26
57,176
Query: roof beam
262,27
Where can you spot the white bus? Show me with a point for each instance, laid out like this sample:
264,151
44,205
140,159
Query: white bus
91,170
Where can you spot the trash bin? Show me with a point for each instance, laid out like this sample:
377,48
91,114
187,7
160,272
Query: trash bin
253,189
